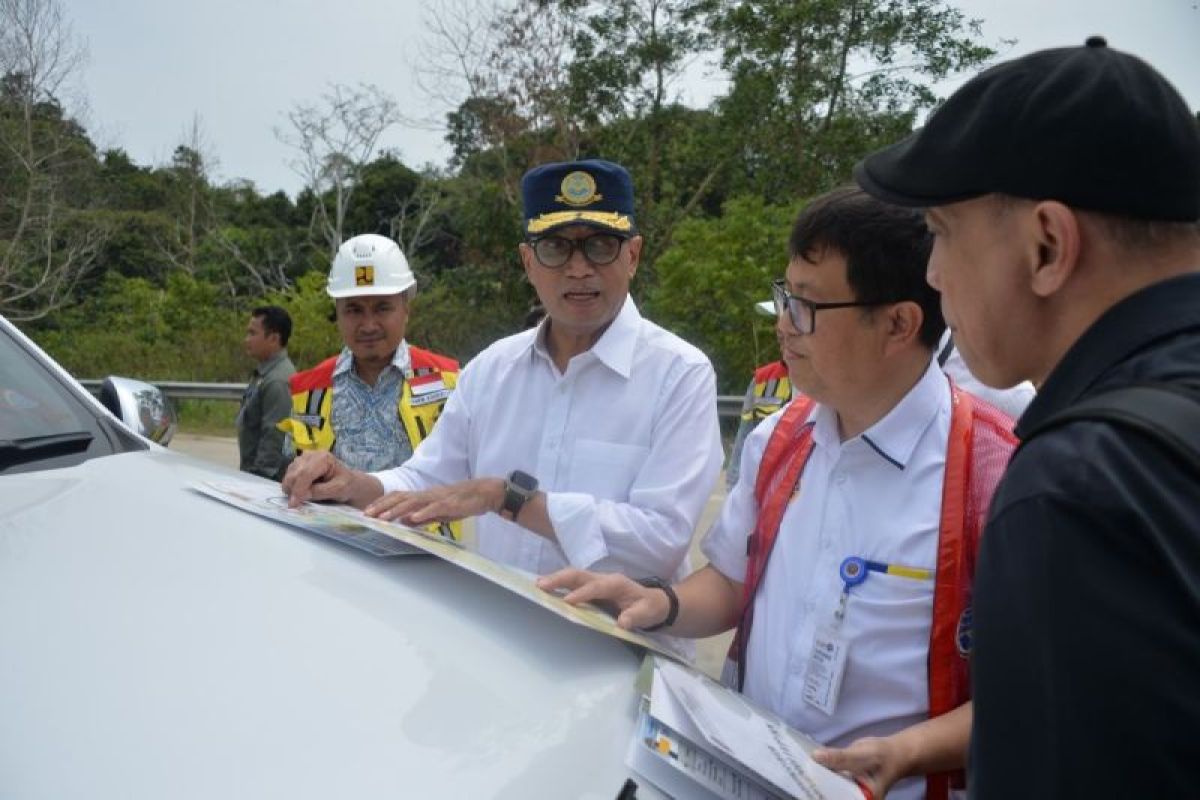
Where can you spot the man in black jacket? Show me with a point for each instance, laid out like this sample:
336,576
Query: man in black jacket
1063,189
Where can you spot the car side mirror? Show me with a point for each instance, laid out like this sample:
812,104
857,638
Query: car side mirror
142,407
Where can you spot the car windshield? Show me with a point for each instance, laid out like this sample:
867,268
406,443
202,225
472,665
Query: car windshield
43,423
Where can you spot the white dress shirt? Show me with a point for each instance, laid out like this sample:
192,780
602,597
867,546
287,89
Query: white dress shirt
876,496
1011,401
625,443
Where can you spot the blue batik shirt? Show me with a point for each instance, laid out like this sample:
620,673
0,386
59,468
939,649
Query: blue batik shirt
366,424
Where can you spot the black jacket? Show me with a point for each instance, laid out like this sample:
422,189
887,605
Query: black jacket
1086,671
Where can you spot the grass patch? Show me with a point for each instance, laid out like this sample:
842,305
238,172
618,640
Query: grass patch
207,417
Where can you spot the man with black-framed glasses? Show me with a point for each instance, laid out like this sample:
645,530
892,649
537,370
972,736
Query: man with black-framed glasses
590,440
844,555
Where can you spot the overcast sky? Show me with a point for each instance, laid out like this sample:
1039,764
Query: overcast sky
239,65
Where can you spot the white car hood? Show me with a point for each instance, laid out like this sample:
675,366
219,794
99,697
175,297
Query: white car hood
156,643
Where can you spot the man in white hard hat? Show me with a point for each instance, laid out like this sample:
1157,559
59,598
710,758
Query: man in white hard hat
591,439
372,404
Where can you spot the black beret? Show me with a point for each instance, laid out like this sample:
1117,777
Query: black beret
595,193
1089,126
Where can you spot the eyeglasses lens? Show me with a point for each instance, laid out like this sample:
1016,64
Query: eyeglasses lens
599,248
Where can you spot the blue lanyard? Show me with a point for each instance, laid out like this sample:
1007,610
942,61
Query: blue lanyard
854,571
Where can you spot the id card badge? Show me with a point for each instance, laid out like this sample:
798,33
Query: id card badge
827,661
826,668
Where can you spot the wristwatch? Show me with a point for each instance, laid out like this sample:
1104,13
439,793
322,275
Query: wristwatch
654,582
518,490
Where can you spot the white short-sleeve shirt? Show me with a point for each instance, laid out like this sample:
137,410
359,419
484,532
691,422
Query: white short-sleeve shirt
876,496
625,443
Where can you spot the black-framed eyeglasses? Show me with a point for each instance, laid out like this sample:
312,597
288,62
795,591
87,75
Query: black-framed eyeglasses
600,249
802,312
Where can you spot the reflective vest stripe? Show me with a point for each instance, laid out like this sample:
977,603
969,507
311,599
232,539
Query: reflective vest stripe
778,477
772,388
314,401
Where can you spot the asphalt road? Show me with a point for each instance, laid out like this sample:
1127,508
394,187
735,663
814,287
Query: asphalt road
710,653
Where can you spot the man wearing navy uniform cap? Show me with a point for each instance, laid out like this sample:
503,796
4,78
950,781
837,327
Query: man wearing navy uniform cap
1063,189
590,440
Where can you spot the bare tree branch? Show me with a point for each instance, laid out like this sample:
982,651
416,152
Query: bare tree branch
411,226
334,140
48,246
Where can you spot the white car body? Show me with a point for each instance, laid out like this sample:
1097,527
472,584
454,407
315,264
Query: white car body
155,643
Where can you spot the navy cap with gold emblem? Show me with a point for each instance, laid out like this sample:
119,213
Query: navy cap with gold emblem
595,193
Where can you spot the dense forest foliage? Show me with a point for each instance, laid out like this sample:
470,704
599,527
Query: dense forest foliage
149,270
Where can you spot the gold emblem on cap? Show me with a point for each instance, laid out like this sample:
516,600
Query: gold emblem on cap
364,276
578,189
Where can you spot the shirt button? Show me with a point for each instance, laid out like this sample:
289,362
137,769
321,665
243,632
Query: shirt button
840,478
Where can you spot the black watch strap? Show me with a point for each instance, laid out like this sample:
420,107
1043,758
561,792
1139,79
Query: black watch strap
518,490
654,582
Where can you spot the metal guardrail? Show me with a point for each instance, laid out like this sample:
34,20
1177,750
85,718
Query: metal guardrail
183,390
728,405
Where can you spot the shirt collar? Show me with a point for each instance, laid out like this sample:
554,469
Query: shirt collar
615,347
1146,316
895,436
266,366
400,359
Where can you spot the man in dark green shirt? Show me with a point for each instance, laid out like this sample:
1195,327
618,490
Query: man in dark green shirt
268,398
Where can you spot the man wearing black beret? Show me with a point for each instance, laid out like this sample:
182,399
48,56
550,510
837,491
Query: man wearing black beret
1063,189
589,440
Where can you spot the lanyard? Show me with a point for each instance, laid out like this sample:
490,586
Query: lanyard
854,570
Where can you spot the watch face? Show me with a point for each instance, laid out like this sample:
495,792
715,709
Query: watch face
524,480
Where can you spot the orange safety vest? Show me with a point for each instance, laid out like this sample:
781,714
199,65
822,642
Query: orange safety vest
772,388
427,386
980,444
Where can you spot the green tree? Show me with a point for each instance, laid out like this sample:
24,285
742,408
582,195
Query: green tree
711,277
815,84
314,334
182,330
626,55
188,200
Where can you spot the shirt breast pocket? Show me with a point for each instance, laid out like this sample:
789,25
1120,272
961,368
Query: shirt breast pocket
884,589
605,470
892,610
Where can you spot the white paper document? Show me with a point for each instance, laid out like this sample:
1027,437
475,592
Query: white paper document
345,524
744,752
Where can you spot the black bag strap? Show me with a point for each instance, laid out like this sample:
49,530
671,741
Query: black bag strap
1168,413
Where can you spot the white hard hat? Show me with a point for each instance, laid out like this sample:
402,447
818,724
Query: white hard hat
369,264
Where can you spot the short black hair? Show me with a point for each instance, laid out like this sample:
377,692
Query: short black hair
886,248
275,320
